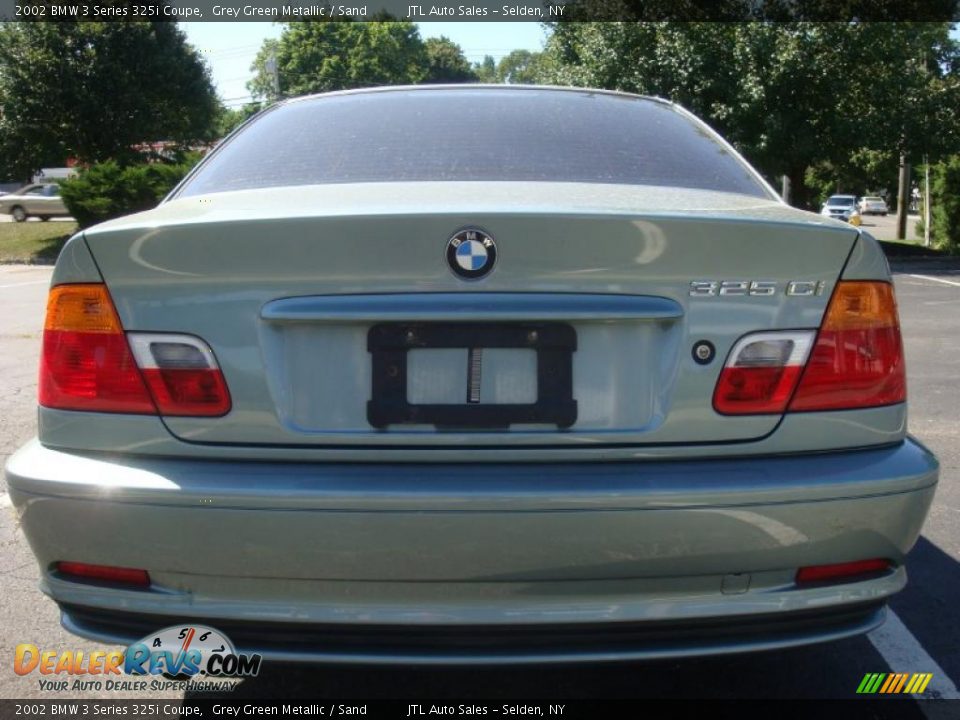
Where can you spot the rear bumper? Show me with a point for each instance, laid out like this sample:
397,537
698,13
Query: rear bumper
494,644
606,560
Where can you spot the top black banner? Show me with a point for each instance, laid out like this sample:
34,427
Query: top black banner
485,10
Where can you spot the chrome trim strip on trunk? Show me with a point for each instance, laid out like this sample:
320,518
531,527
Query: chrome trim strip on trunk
465,307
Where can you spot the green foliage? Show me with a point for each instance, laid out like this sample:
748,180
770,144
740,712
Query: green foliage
94,90
229,118
108,190
314,57
945,204
446,63
486,71
842,97
867,172
519,67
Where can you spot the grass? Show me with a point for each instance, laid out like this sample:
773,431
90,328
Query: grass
33,242
910,249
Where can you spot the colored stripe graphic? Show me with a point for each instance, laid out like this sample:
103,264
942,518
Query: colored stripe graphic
914,682
891,680
894,683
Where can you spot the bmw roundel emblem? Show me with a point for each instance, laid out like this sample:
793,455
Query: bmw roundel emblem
471,253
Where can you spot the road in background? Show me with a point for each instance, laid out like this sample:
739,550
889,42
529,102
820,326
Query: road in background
885,228
924,636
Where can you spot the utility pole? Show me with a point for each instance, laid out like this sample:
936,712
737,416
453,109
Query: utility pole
903,197
270,65
926,201
785,189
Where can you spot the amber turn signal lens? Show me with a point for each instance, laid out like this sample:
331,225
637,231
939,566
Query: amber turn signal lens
861,306
81,308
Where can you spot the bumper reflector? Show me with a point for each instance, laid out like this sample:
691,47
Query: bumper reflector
104,573
842,572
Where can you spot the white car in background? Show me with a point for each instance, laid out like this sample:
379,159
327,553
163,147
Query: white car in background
873,205
41,200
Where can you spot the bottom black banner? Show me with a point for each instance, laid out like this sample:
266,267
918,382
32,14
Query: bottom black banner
413,709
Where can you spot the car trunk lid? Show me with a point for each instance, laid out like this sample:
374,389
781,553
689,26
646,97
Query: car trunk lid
287,285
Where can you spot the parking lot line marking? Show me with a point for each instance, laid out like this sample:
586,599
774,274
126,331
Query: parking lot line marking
936,279
5,501
904,653
32,282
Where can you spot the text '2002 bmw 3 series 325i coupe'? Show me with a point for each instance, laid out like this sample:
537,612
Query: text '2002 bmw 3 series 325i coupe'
473,375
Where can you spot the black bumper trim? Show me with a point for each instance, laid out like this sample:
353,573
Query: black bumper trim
630,639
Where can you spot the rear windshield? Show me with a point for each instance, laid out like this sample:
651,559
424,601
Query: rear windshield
473,134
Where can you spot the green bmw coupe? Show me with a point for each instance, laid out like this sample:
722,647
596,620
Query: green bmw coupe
473,375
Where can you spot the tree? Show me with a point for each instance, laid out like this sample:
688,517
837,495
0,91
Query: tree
107,190
330,55
790,96
945,204
94,90
519,67
446,63
229,118
486,71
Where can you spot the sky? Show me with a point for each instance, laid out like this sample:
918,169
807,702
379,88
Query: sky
229,47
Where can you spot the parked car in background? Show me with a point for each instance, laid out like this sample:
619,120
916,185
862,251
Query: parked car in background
840,207
873,205
42,201
564,380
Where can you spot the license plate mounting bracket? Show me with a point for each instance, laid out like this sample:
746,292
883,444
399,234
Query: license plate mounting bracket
553,342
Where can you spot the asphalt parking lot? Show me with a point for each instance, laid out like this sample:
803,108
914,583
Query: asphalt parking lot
884,227
922,634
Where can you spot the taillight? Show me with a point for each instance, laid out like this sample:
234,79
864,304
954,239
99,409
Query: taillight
182,374
854,361
761,372
857,360
87,362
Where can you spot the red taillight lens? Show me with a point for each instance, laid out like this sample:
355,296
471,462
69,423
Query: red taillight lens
182,374
857,360
104,573
761,372
839,572
189,392
86,363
